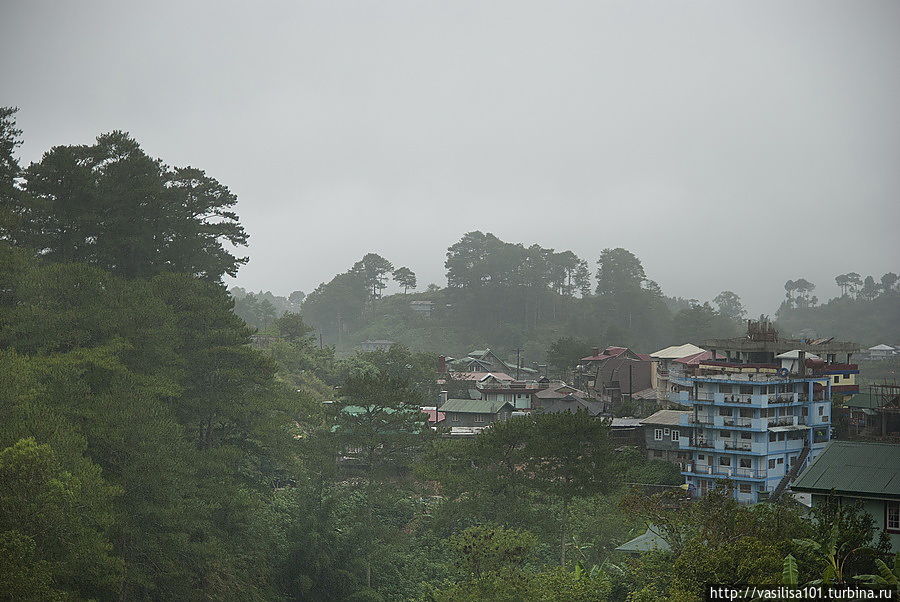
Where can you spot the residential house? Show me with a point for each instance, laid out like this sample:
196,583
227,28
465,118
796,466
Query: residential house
485,360
517,392
614,372
626,430
553,392
662,437
571,403
880,352
858,471
475,412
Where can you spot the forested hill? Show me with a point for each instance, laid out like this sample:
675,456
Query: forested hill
507,296
870,321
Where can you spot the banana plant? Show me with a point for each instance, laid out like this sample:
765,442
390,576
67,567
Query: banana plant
789,575
886,575
835,557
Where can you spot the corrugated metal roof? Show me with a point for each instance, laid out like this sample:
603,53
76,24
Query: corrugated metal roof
677,351
667,417
865,400
473,406
867,469
651,540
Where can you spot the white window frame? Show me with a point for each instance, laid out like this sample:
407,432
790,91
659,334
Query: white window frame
892,517
675,435
657,434
479,418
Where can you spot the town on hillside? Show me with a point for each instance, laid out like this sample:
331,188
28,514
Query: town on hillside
765,415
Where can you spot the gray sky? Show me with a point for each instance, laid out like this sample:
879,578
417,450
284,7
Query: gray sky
730,145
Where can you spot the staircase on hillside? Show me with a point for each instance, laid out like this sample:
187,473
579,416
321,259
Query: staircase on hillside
788,478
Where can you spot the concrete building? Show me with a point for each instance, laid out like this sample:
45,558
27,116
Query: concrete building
854,470
662,437
753,420
663,363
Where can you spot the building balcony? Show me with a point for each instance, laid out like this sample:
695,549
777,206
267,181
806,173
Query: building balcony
724,446
741,400
723,472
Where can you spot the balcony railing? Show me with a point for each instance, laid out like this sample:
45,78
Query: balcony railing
782,421
702,443
747,422
724,471
738,445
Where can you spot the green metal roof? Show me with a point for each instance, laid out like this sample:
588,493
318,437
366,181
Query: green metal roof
865,469
649,541
472,406
864,400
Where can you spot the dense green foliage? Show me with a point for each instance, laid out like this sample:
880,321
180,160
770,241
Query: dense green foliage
152,448
507,296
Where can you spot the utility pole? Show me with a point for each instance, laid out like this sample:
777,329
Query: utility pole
518,361
630,383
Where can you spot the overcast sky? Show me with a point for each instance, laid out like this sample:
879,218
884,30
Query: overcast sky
730,145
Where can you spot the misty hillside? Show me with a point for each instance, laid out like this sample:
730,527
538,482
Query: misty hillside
508,296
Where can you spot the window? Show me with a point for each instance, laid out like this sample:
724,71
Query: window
746,389
745,462
657,434
772,436
725,389
455,417
746,435
725,434
746,413
675,435
744,488
805,412
780,460
825,418
772,463
821,410
724,411
837,378
781,436
724,461
701,457
892,517
479,417
665,431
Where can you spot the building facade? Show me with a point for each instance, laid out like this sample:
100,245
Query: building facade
755,421
662,437
854,471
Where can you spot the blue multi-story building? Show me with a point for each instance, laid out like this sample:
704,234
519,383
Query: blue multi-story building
755,421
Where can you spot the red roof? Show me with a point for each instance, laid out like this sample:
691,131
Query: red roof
434,415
